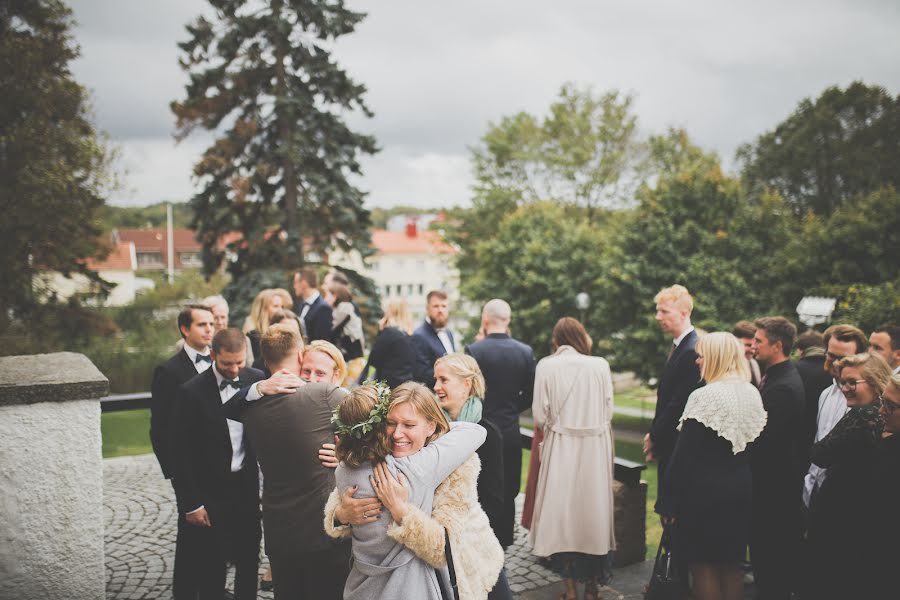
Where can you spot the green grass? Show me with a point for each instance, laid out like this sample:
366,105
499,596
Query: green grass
636,397
125,433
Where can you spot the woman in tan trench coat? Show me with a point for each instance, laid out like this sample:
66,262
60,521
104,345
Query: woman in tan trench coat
573,510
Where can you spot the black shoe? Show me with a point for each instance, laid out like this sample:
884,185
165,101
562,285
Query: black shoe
266,585
229,595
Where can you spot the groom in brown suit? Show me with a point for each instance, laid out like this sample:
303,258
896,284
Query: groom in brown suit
286,431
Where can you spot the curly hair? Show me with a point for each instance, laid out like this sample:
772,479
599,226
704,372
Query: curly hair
369,447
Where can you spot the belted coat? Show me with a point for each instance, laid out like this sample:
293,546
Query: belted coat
573,403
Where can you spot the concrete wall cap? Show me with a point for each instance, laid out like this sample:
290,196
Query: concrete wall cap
57,377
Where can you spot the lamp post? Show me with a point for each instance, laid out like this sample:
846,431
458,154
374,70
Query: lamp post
582,302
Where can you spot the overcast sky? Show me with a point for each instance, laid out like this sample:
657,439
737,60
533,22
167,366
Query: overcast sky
439,72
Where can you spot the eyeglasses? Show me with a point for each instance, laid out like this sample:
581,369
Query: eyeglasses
850,384
889,407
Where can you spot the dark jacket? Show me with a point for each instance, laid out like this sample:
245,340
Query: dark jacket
318,320
508,368
490,481
428,348
680,377
202,449
392,356
811,368
167,377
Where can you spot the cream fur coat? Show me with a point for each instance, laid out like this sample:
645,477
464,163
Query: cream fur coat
477,555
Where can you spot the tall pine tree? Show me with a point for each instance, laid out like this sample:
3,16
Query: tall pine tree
262,77
54,167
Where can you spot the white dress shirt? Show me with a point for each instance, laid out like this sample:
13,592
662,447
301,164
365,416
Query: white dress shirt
192,354
307,303
235,428
443,337
681,337
832,408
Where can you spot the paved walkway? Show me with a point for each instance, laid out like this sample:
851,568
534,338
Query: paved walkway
139,513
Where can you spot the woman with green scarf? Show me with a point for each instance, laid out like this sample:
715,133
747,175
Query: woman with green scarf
459,385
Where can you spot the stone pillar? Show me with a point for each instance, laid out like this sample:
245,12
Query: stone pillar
630,514
51,478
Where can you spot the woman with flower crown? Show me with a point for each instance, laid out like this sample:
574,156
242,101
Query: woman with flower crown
416,444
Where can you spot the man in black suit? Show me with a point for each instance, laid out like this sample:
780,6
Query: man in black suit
679,378
776,459
196,324
816,377
215,476
432,339
508,368
287,431
314,311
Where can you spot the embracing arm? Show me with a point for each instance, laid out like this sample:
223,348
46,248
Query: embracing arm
444,455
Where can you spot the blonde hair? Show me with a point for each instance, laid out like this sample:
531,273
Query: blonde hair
287,301
279,342
425,403
330,350
872,367
370,447
258,319
463,365
678,295
723,356
396,313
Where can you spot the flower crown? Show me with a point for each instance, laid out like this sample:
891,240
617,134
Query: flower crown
376,415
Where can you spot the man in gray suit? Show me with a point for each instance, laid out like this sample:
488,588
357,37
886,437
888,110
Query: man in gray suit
286,431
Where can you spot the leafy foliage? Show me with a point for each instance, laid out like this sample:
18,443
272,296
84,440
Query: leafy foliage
54,166
262,75
843,145
150,216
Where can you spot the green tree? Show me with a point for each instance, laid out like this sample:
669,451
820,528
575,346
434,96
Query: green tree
54,167
538,259
695,227
842,145
263,76
583,154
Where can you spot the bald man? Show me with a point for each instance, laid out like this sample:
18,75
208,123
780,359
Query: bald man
508,368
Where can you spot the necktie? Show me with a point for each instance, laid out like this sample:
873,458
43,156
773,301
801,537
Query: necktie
232,382
671,350
202,357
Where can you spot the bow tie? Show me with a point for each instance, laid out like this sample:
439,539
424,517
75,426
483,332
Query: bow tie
205,357
232,382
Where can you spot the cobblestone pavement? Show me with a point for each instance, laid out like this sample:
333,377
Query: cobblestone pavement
139,515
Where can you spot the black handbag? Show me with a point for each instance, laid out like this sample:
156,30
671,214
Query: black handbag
665,583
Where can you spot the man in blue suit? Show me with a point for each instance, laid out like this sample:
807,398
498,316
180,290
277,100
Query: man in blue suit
433,339
314,311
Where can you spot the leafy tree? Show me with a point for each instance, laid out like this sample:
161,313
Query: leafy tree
153,215
54,167
583,154
844,144
262,75
696,227
539,258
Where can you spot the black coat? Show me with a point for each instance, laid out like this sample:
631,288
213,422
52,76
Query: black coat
392,356
428,348
508,368
202,450
167,377
490,481
815,380
679,378
318,320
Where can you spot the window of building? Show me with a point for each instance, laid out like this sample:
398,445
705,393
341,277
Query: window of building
190,259
149,259
387,290
399,290
421,288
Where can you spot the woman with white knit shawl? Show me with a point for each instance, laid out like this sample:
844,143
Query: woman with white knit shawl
708,482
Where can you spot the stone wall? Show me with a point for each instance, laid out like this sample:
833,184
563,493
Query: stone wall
51,478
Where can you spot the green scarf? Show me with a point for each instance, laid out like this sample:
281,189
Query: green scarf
470,412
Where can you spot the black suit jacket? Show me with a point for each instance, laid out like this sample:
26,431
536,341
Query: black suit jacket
318,320
508,368
680,377
202,449
428,348
167,377
490,482
286,432
815,379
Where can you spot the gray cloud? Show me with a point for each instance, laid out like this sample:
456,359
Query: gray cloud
437,73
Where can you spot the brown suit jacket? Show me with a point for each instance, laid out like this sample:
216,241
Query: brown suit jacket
286,433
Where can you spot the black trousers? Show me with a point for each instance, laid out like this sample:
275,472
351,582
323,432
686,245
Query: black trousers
512,476
318,575
202,554
775,548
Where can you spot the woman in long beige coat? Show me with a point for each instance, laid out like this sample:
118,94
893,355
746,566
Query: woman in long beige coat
573,510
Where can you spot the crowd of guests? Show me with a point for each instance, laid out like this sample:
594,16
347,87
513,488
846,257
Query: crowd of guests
411,451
